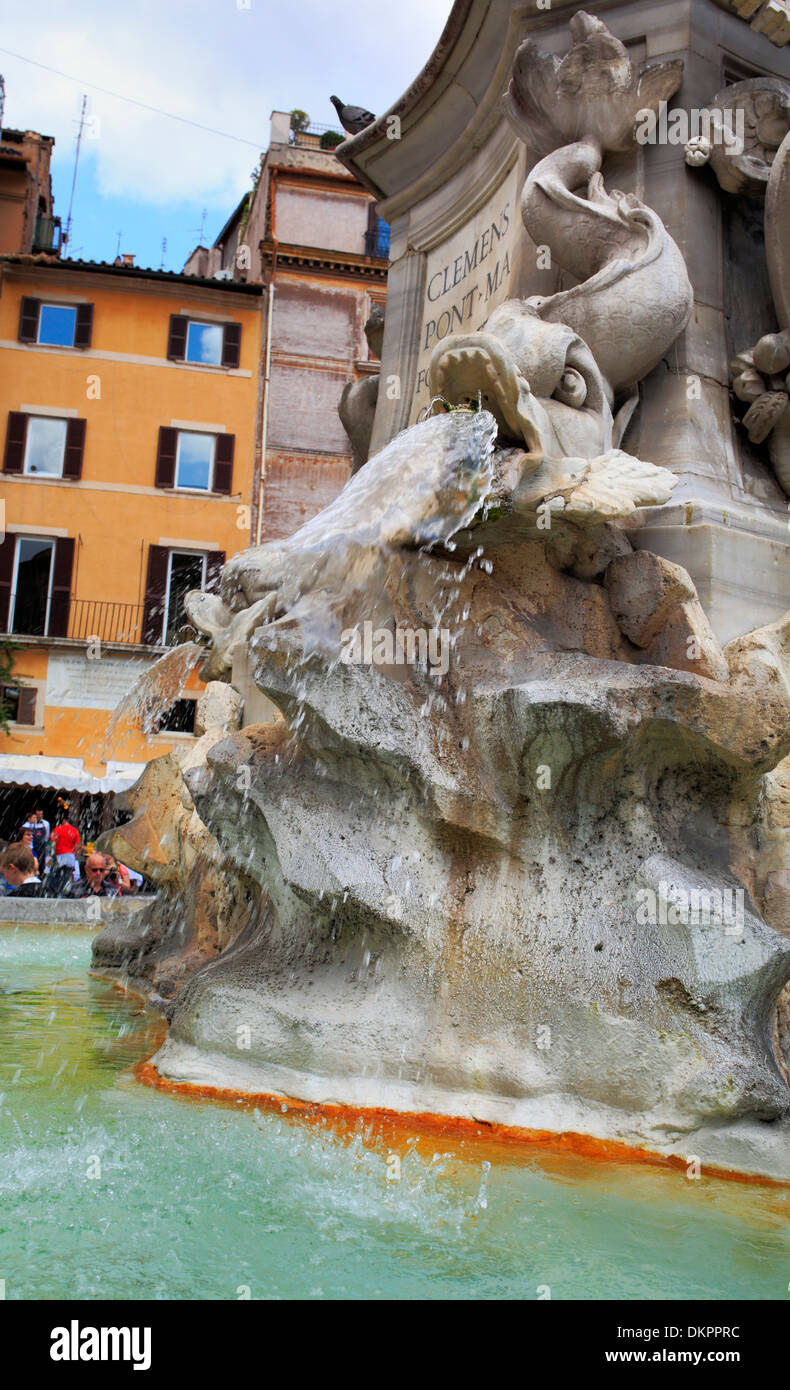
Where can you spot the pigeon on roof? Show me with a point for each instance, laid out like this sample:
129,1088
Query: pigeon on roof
352,118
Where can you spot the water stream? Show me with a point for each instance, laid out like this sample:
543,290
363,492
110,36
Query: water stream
109,1189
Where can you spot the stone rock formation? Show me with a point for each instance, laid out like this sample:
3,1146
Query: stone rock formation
203,899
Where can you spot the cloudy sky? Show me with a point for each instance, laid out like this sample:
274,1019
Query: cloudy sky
225,64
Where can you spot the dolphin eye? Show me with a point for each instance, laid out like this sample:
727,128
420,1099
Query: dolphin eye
572,389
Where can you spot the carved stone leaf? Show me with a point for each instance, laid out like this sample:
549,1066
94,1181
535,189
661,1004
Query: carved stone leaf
766,412
659,82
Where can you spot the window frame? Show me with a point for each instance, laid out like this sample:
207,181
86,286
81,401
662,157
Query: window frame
170,734
204,323
51,542
11,685
188,487
53,304
176,550
33,473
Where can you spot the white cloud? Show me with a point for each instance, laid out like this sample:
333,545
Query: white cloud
213,62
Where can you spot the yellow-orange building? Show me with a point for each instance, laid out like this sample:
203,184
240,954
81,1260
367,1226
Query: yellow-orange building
129,407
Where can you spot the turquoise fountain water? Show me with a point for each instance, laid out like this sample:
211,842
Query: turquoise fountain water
110,1189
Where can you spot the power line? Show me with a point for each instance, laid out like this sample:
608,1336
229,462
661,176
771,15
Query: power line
157,110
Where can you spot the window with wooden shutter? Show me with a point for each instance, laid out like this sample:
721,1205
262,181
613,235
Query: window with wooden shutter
26,707
84,327
7,552
177,338
28,320
155,594
231,345
15,440
166,457
60,602
75,446
223,463
215,559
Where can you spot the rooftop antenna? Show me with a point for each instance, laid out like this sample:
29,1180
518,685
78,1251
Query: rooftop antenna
67,232
202,228
2,99
164,249
118,247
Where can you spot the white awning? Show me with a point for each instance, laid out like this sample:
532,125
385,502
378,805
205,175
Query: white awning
65,774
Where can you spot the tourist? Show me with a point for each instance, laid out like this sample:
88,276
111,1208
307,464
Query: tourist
134,881
101,878
65,843
40,830
19,868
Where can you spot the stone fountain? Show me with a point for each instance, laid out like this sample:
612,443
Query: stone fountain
514,849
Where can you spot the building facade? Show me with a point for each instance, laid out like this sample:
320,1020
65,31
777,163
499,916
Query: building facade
27,221
308,230
129,400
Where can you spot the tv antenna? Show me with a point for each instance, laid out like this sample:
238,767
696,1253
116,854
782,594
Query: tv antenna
2,99
200,231
164,249
67,232
118,246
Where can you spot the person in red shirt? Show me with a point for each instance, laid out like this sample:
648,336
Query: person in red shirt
65,843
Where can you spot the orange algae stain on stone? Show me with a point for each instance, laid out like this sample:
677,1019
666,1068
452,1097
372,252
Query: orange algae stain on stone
399,1129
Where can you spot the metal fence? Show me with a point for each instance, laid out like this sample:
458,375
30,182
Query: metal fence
110,622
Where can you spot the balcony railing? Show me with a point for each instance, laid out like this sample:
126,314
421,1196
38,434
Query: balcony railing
110,622
47,235
377,240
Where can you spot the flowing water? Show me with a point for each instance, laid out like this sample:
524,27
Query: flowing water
111,1189
152,693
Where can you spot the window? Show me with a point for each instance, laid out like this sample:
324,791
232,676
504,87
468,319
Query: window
57,324
186,571
46,446
179,718
9,694
204,343
195,460
19,703
171,574
32,586
198,461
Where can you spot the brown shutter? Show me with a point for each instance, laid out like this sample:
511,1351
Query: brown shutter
215,559
75,444
28,320
84,326
223,462
155,592
166,457
231,345
7,551
177,339
16,435
61,587
26,709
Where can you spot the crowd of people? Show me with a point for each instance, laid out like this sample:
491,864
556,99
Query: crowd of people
47,862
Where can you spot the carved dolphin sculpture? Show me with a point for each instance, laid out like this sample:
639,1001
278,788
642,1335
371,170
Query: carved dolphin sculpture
429,483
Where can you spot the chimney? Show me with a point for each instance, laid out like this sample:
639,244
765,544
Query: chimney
127,258
280,130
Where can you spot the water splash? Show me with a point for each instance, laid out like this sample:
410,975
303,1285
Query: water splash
153,692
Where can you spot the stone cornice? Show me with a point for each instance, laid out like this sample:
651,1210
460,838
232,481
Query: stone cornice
323,262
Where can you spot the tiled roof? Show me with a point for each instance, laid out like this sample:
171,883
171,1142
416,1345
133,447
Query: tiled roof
135,272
